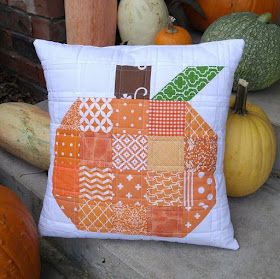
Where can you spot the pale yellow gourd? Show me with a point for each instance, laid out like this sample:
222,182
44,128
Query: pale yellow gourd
140,20
25,133
250,148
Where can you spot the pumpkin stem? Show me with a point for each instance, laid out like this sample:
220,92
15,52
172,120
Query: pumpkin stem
265,18
241,97
171,29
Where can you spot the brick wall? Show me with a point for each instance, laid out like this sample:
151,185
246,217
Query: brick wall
21,21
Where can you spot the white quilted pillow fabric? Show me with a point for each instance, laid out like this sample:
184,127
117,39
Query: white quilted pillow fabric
137,141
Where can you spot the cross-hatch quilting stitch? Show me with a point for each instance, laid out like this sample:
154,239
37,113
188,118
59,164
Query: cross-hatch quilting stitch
154,174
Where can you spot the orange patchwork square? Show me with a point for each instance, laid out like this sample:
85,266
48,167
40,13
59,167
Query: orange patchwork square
165,221
130,116
97,147
130,219
65,178
95,115
201,154
95,216
129,152
165,153
167,118
130,187
165,188
96,183
66,186
196,127
71,121
67,144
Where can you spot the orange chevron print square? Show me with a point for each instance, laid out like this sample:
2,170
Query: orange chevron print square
137,142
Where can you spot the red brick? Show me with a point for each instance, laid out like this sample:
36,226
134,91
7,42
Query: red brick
23,46
8,59
19,43
6,39
46,8
50,8
15,20
20,4
39,93
22,66
48,29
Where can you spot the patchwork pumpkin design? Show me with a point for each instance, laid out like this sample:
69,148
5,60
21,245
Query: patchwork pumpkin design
134,164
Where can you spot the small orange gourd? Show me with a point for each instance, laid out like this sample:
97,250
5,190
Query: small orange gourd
19,245
173,35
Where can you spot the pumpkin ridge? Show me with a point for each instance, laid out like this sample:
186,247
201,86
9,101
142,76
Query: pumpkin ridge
19,240
18,214
261,135
8,256
12,258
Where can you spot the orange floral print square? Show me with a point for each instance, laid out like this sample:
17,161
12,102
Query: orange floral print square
130,219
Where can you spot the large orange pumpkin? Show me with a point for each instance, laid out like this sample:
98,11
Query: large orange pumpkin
19,245
215,9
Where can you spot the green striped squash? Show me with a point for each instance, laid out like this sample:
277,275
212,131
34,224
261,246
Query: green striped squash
260,64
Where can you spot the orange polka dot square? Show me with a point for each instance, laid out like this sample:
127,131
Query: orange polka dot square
130,116
67,144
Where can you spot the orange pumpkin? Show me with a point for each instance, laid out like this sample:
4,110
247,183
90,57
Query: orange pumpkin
19,245
173,35
215,9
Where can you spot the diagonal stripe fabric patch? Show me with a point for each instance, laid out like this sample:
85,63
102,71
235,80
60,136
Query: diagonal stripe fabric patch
188,83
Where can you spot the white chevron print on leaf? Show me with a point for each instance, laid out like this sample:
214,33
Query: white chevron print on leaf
95,115
96,183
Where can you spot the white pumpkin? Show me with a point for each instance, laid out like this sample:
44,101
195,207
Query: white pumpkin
140,20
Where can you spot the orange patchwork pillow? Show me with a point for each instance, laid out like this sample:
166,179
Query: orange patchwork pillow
137,141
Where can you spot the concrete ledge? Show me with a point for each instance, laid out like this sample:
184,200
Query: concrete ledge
255,218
